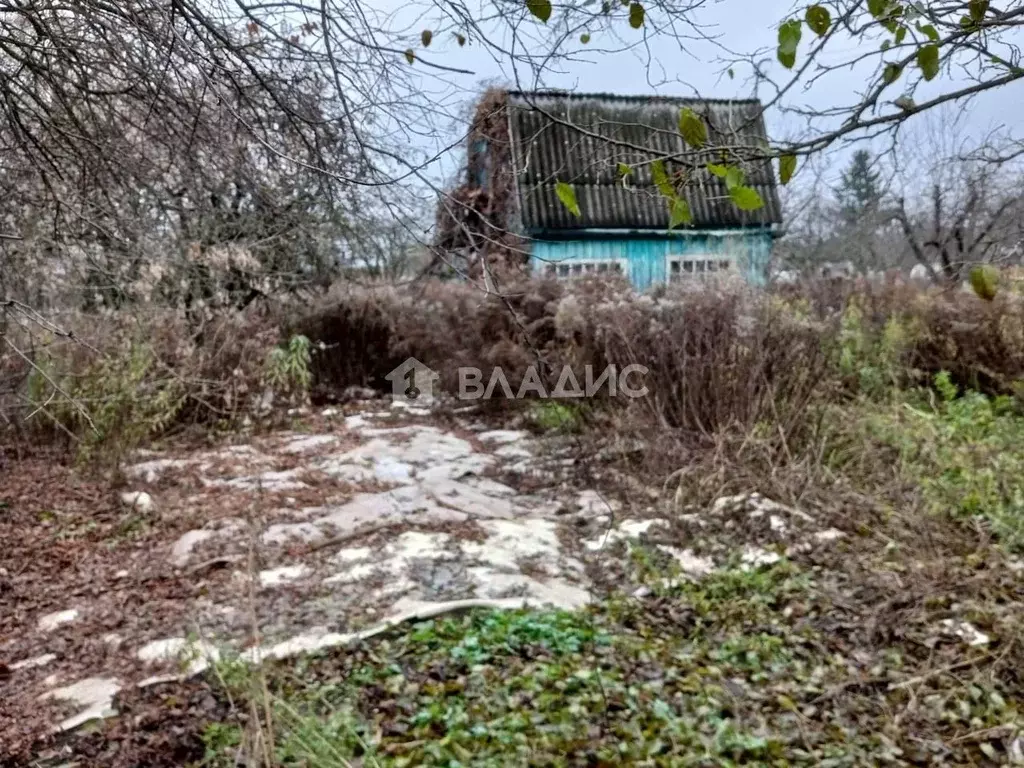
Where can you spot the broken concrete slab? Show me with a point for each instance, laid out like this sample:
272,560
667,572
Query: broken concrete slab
94,694
51,621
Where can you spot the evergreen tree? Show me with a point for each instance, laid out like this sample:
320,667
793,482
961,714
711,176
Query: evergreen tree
858,193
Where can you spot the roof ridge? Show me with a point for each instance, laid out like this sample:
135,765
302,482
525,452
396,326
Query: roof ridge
561,92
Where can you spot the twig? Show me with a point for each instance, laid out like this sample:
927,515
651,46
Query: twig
51,382
344,538
936,672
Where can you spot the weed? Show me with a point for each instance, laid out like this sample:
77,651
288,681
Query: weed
288,368
964,451
115,404
556,416
220,740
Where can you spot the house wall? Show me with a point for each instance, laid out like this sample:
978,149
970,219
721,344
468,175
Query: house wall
646,255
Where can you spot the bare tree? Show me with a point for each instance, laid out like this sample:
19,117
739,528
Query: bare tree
956,208
122,121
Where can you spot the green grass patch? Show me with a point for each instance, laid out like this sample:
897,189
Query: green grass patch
706,674
964,451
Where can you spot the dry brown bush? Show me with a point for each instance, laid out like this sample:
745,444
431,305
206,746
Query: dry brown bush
723,358
980,343
123,377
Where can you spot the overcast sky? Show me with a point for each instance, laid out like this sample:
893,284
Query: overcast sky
661,65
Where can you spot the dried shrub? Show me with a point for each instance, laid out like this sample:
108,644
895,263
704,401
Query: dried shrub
125,378
717,358
979,343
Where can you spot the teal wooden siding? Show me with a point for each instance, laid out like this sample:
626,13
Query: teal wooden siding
646,256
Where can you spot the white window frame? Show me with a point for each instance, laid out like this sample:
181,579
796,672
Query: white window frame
701,264
570,268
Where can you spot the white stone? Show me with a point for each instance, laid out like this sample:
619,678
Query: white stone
555,592
416,544
777,524
285,533
271,482
426,502
307,642
393,560
35,661
831,534
182,549
420,408
140,501
51,621
966,632
490,487
757,505
308,443
627,529
95,694
353,555
754,557
591,503
286,573
151,471
690,563
195,656
510,541
503,436
514,451
1016,751
167,649
358,572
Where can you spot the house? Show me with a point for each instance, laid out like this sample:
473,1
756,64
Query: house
523,144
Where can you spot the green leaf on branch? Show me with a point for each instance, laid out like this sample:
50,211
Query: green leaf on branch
891,73
818,19
567,196
901,33
718,170
636,15
410,55
978,9
425,37
624,170
661,180
928,60
877,7
929,30
787,167
692,128
460,38
679,213
540,8
746,198
731,73
585,38
789,38
733,178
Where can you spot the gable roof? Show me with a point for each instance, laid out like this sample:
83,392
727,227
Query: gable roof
546,151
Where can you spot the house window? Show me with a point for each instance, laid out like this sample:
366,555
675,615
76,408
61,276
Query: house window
567,269
479,162
684,267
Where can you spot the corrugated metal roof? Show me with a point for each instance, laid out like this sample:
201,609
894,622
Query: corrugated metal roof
581,138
